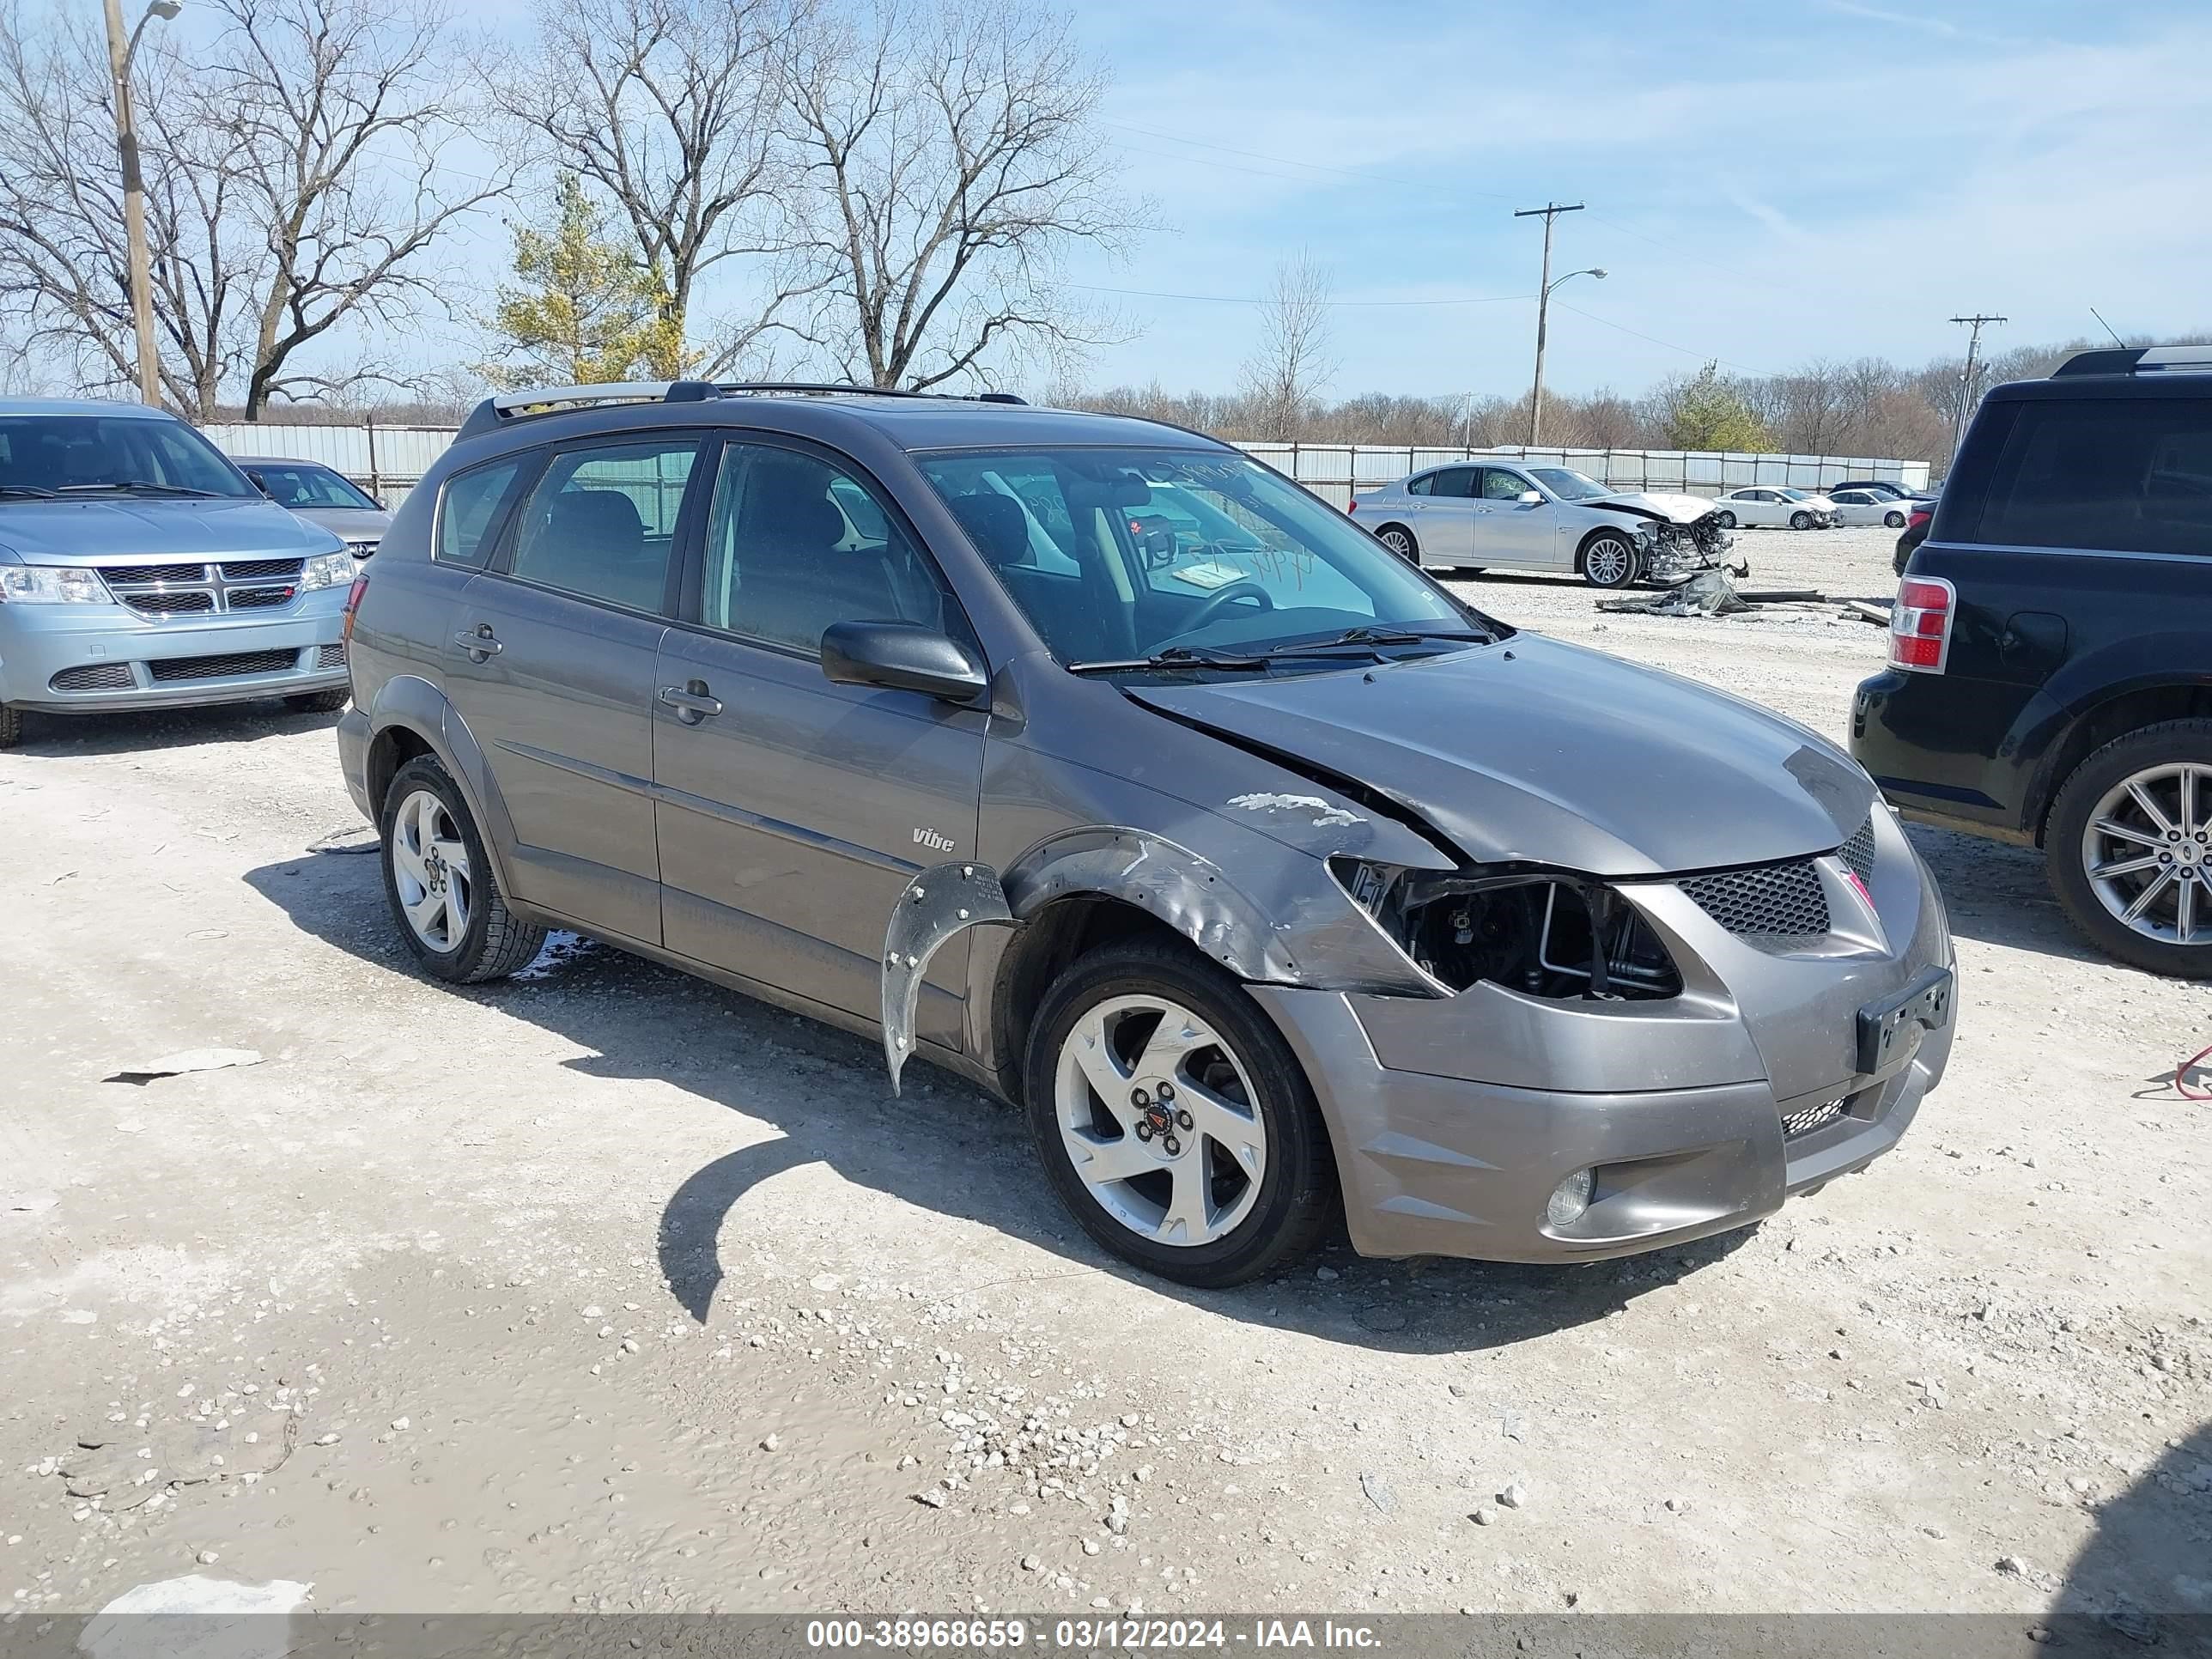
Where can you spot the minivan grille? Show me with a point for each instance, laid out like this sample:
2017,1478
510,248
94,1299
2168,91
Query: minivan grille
94,677
170,604
239,570
223,667
330,656
1777,902
153,573
260,598
173,590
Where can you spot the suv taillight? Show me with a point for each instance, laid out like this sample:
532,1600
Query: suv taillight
1920,624
1918,516
1352,506
353,604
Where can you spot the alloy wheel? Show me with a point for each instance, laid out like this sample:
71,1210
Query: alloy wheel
1606,563
1398,543
2148,852
430,868
1158,1118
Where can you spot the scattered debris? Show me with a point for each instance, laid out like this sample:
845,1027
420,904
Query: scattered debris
1707,593
1378,1491
1868,611
1514,1497
189,1060
1782,596
351,840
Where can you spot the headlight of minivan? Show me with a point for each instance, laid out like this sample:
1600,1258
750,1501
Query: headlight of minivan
50,584
328,570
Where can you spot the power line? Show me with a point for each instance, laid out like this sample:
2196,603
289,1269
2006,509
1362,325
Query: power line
1967,380
1262,300
1704,356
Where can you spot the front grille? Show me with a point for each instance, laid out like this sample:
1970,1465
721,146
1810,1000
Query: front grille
1806,1119
169,604
1858,852
223,667
330,656
94,677
238,570
1776,902
260,598
154,573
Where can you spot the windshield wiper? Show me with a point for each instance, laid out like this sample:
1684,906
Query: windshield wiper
143,486
39,490
1174,656
1393,634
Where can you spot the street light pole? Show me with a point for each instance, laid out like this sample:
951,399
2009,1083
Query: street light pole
1977,323
1549,211
120,50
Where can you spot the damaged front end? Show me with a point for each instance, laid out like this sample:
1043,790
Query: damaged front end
1544,934
1673,551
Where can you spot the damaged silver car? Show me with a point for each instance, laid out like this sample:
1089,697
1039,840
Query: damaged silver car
1501,515
1103,766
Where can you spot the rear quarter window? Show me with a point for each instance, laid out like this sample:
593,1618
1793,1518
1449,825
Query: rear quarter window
2121,475
468,509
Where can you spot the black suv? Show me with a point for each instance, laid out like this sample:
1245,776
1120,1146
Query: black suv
2051,653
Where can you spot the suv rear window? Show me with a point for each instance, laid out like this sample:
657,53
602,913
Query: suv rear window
2124,475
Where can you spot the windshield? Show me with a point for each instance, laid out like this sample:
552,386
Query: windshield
95,454
299,484
1567,484
1120,554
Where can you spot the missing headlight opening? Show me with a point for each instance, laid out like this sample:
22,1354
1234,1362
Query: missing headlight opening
1546,936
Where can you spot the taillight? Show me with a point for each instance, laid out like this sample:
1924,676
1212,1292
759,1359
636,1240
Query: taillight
1354,506
353,604
1918,516
1920,624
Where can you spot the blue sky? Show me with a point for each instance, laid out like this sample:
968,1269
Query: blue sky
1765,183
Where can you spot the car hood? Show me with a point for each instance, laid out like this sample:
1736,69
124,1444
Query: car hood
353,524
1551,754
1643,504
77,532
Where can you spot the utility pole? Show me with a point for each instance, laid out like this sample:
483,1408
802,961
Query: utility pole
1549,211
1966,379
120,50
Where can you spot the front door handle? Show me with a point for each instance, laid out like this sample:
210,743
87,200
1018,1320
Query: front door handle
690,702
480,645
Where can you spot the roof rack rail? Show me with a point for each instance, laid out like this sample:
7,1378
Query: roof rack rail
2138,360
551,400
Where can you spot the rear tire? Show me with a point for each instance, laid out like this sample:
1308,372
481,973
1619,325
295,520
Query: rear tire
1400,541
319,702
1609,559
11,726
490,941
1801,521
1095,1020
2097,793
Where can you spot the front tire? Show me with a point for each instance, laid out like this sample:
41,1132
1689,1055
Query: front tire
1801,521
1609,560
1726,520
11,726
1173,1119
1894,520
440,882
2128,846
1400,540
319,702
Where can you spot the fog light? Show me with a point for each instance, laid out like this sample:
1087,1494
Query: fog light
1570,1199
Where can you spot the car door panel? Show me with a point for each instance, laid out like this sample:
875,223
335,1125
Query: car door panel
791,818
1449,517
1510,530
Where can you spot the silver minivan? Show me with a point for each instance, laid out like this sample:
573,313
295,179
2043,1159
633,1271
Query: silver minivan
140,568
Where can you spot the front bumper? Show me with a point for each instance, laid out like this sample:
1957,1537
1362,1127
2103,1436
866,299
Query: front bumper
1453,1119
108,659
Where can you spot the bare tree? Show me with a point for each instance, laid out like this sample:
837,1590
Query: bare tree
667,110
1291,362
950,162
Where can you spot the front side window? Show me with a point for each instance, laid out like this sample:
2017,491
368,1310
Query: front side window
296,485
795,544
467,504
1176,547
1499,485
96,454
601,522
1568,485
2127,475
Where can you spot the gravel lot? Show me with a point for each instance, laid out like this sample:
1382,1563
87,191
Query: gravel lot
608,1290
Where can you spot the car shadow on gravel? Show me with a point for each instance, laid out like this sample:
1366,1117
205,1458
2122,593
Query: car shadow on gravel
945,1145
77,735
1998,894
2146,1573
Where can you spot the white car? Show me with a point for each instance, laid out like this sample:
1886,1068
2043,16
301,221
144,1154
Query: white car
1868,507
1497,515
1773,507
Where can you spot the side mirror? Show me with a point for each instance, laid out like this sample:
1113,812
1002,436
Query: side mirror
903,658
1530,498
257,482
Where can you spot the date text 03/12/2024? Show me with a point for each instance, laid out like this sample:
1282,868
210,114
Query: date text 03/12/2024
1085,1635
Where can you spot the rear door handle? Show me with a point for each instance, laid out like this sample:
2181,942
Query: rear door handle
690,702
480,645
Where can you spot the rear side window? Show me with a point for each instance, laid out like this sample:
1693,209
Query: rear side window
2131,475
601,522
1456,481
468,504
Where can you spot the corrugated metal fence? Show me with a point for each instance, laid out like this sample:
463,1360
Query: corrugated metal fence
388,460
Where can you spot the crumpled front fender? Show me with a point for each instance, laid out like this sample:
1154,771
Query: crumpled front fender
1300,929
